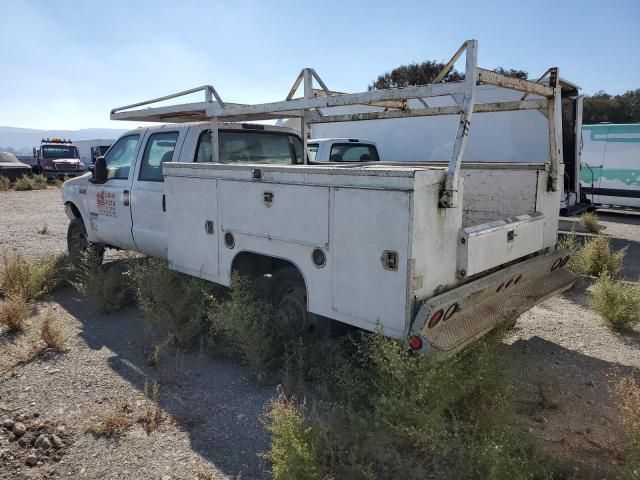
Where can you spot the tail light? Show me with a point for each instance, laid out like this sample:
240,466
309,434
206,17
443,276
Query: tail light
435,318
415,343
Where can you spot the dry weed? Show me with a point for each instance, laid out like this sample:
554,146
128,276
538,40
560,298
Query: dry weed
53,333
5,183
152,415
589,220
14,311
115,423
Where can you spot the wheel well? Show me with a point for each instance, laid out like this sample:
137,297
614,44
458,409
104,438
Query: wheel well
72,211
256,264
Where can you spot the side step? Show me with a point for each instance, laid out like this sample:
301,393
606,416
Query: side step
448,322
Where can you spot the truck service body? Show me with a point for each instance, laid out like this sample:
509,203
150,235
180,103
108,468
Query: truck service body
420,251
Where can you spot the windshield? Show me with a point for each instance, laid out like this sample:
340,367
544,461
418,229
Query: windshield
59,151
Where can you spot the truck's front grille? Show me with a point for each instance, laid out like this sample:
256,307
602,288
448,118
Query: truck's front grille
65,167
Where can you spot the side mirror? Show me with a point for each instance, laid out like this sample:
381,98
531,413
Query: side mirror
99,171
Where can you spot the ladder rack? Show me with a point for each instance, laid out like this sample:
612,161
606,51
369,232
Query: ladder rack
392,103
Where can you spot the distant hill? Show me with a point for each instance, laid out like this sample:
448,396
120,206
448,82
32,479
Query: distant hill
22,140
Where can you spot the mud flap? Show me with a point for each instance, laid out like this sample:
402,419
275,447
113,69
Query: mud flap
448,322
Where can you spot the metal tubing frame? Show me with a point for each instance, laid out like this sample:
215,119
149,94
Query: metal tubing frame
392,102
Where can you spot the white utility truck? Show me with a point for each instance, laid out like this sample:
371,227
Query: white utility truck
420,251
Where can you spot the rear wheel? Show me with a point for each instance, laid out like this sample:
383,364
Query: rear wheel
80,247
289,296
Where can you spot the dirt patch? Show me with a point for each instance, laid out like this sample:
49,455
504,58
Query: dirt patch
566,361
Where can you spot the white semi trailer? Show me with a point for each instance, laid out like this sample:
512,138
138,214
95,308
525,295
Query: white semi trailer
611,164
91,149
424,252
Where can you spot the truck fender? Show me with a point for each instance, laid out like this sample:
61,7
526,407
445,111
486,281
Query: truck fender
72,211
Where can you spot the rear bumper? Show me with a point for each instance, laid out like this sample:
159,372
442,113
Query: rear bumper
474,309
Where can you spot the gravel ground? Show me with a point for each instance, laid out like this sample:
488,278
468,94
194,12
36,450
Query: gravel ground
212,408
23,214
565,361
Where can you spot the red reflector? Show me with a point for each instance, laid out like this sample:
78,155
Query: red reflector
435,319
415,343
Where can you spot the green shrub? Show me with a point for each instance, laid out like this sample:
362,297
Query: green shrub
23,183
107,286
589,220
594,257
248,323
174,304
31,182
39,182
618,303
388,413
292,452
31,278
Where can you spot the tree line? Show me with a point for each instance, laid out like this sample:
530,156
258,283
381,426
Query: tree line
599,107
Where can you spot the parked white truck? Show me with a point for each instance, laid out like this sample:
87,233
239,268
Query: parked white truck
326,150
422,252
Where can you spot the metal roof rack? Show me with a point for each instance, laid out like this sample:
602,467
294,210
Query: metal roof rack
393,103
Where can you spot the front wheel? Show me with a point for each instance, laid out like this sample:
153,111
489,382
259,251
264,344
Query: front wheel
80,248
289,296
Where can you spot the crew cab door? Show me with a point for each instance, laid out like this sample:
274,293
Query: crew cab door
108,203
148,200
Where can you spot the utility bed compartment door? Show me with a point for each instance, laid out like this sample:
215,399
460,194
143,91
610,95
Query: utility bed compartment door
370,248
297,213
489,245
192,226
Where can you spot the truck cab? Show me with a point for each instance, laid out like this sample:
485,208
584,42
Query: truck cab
127,208
344,150
57,158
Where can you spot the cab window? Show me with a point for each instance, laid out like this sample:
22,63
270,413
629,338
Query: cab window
251,147
353,152
120,157
159,149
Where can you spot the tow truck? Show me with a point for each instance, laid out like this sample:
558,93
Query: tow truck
58,157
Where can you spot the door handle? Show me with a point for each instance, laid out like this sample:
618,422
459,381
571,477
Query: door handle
164,203
125,198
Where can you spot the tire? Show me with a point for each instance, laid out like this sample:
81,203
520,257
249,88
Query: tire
289,297
78,244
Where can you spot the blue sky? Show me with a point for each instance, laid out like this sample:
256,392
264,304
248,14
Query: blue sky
67,63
